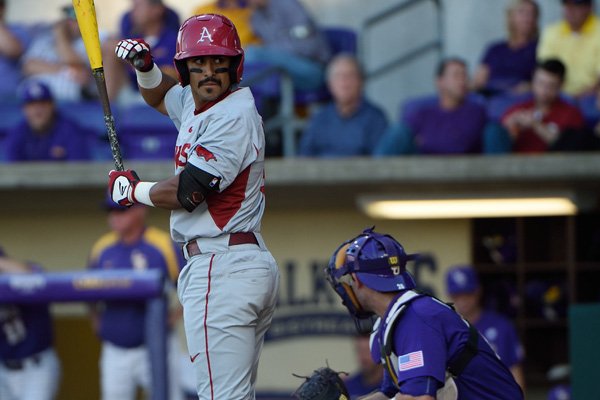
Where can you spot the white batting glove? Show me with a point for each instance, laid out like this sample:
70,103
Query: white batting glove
136,52
121,185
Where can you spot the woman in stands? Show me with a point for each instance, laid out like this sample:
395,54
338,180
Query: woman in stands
507,66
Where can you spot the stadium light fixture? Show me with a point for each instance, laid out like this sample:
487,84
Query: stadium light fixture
465,207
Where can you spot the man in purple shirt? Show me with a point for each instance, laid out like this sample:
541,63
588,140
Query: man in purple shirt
427,349
451,123
44,134
465,292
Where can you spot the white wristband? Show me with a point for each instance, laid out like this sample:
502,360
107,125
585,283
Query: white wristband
141,193
150,79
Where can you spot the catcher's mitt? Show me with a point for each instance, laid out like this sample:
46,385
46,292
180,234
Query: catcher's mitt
323,384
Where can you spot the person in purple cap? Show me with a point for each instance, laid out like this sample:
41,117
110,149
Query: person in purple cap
428,350
44,134
465,293
124,360
29,365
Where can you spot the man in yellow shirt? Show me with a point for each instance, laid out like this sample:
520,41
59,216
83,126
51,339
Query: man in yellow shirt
576,42
238,12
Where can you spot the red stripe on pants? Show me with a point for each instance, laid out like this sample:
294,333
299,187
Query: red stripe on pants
212,396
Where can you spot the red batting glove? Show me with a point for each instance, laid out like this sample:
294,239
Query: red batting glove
121,185
136,52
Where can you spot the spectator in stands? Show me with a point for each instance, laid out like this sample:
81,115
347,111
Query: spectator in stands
465,292
44,134
348,126
291,41
576,42
158,25
132,245
57,57
452,123
507,66
238,12
544,123
369,375
14,39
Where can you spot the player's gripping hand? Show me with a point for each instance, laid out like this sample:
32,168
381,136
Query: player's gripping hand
136,52
121,185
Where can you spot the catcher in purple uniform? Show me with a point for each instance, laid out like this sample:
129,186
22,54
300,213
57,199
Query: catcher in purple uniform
428,350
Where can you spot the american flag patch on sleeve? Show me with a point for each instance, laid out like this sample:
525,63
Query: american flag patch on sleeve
410,361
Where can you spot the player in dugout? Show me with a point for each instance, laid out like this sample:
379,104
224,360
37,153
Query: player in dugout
29,366
228,288
428,350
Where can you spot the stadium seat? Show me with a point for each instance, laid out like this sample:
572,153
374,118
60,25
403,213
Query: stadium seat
589,109
10,115
498,105
90,116
146,134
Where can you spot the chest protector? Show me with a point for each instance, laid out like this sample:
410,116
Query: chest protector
386,338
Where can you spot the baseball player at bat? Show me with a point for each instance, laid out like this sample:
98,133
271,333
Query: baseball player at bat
428,350
229,284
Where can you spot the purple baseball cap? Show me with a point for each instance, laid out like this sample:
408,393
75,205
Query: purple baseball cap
560,392
461,279
35,91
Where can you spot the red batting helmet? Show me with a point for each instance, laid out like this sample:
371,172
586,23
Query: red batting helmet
208,35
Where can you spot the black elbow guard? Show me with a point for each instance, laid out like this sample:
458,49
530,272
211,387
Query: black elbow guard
194,185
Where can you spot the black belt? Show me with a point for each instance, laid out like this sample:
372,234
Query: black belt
234,239
19,364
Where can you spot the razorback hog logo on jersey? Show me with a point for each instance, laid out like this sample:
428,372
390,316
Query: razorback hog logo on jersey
205,35
204,153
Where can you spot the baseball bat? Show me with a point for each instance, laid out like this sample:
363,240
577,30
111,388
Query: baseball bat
85,12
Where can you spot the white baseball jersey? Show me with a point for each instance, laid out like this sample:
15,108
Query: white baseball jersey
225,139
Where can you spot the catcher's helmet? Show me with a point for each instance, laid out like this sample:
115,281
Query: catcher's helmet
208,35
378,260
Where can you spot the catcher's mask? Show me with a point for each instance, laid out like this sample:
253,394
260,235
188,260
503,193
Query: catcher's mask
378,260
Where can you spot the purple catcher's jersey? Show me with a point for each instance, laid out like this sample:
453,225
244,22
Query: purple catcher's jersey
427,337
502,336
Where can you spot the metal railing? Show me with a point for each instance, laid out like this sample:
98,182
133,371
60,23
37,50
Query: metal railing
436,44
